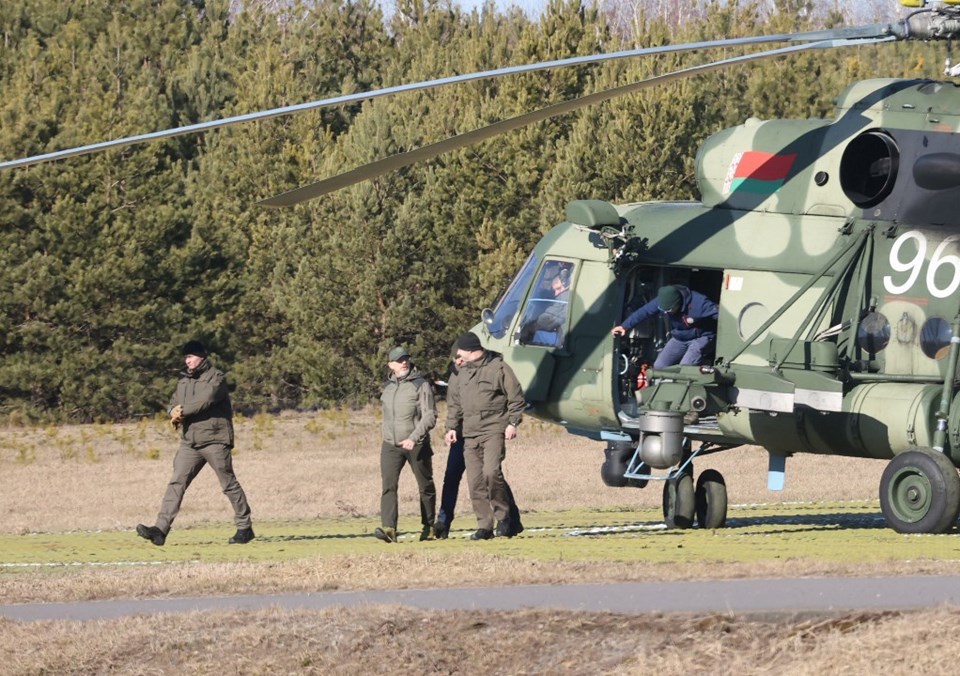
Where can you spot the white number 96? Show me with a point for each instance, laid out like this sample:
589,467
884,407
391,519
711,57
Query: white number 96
914,265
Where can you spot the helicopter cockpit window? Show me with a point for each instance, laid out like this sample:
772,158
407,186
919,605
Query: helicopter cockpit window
498,322
935,338
873,334
548,308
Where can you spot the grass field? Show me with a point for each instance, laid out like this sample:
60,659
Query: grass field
72,495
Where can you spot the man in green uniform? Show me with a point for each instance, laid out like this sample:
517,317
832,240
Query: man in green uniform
487,401
409,413
200,409
456,466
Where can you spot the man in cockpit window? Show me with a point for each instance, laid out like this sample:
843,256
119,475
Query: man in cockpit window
693,325
547,327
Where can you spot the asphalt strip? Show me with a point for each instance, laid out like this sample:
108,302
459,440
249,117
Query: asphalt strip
764,596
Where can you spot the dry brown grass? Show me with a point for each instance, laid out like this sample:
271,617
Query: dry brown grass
296,467
402,640
299,466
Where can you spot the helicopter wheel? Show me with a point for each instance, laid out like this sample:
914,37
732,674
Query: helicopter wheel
920,492
678,501
711,500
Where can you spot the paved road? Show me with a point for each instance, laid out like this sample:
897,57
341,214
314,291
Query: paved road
722,596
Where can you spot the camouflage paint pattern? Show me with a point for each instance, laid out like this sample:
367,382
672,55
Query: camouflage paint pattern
808,224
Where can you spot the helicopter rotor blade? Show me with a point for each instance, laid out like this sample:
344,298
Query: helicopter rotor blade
854,33
400,160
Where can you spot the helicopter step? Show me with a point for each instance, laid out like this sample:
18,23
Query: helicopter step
699,425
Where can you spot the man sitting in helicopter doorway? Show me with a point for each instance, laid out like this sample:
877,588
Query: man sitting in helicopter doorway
693,325
545,318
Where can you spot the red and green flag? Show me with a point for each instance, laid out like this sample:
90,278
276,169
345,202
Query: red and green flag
757,172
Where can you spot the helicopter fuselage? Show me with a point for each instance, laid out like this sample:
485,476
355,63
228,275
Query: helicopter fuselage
830,247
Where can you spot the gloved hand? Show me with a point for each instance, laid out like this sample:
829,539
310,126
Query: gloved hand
176,416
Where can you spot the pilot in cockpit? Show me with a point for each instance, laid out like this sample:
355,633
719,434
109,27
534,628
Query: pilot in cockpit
546,328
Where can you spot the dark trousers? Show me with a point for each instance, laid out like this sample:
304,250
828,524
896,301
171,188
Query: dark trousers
187,464
392,460
483,456
456,466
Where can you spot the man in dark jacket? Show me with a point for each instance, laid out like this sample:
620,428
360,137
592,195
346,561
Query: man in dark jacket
485,401
693,325
409,413
200,409
456,465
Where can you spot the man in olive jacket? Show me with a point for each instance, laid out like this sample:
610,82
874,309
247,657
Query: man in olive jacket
487,400
409,413
200,409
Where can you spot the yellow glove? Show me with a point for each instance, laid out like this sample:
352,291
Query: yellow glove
176,416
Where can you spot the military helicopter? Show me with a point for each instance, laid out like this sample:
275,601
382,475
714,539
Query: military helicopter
829,246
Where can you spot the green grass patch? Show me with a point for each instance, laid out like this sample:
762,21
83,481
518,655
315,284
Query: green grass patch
841,532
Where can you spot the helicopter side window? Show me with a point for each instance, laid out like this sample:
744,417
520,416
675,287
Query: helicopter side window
498,320
873,334
545,317
935,338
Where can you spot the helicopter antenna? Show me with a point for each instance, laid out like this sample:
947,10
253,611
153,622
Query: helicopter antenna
853,33
400,160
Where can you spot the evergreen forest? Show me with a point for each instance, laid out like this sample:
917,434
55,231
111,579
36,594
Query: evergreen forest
109,262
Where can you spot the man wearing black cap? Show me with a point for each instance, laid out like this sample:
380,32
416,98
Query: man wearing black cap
409,413
485,400
200,409
456,466
693,325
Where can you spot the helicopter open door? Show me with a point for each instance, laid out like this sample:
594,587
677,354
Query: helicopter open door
638,350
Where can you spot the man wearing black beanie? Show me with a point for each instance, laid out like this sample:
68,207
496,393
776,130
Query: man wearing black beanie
486,401
200,409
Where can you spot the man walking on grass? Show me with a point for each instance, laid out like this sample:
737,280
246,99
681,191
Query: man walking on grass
409,413
200,409
456,466
485,401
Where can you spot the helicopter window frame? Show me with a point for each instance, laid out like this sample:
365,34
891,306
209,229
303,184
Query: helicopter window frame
542,303
498,322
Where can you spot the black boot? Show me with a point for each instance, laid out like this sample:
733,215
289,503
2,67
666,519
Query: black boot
152,533
482,534
242,536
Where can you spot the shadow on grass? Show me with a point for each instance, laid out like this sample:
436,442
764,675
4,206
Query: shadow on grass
797,523
787,523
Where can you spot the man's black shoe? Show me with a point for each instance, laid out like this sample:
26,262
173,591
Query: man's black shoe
482,534
242,536
441,531
517,527
504,530
152,533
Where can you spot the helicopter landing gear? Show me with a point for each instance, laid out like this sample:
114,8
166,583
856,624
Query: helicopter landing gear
920,492
710,499
679,501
